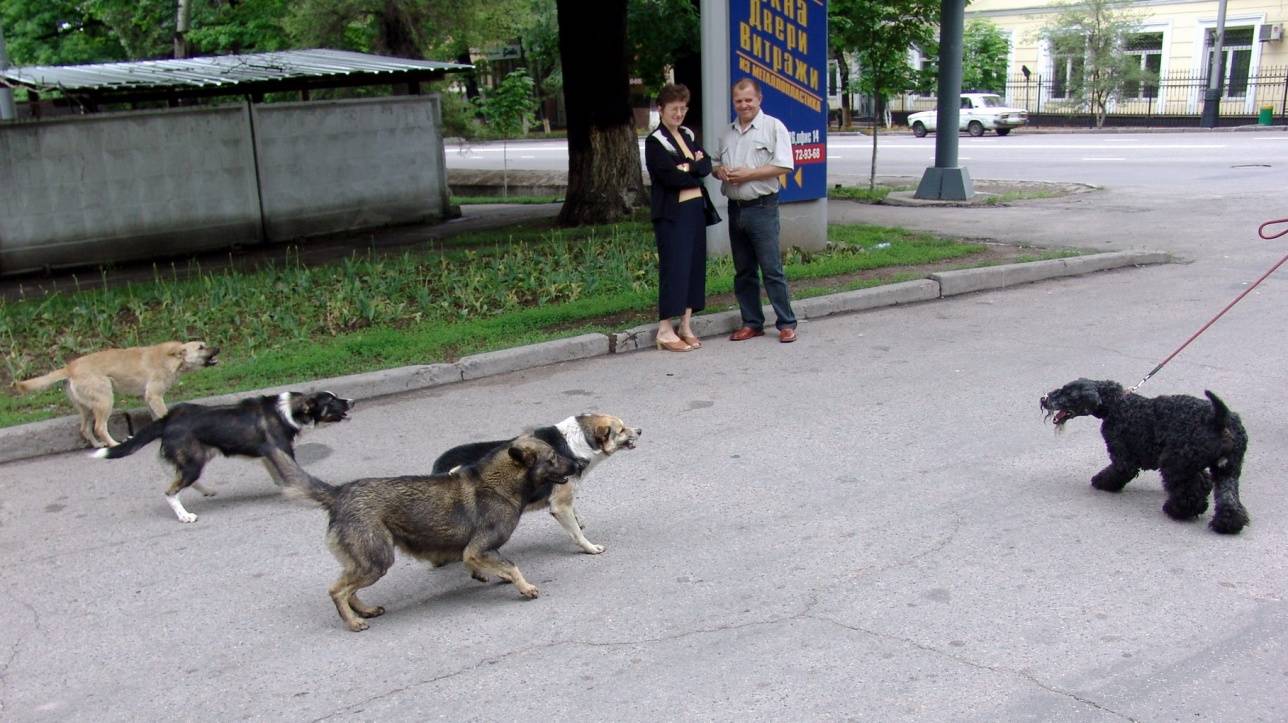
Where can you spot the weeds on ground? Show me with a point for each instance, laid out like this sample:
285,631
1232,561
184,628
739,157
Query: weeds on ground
863,194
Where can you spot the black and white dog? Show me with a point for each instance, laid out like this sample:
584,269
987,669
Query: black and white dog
191,434
587,439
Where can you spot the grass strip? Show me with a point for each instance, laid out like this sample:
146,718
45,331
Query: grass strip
286,322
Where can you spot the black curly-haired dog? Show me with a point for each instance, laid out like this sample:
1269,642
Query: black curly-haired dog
1193,443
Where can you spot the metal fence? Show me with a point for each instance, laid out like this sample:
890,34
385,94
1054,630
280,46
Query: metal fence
1171,99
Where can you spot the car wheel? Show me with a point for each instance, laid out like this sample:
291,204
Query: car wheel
1003,131
975,128
919,129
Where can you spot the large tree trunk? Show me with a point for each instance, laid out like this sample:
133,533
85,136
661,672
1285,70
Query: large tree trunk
604,174
396,33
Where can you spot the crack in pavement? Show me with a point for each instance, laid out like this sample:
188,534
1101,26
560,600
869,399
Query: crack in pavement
16,648
978,666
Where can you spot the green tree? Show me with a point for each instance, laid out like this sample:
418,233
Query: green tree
985,49
879,33
57,32
1086,40
508,109
406,28
658,31
539,51
70,32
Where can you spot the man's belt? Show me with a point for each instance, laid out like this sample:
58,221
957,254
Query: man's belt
768,199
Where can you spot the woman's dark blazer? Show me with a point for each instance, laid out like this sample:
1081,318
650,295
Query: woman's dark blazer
661,154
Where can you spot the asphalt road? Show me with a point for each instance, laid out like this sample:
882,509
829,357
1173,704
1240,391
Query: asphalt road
873,523
1179,160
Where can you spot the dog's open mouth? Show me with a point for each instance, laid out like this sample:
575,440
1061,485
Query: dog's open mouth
1061,416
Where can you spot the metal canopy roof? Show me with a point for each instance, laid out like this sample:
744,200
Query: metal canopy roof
222,73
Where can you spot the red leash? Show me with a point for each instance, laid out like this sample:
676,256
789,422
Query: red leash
1261,231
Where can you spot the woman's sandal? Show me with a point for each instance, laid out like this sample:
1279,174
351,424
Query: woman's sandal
692,341
676,345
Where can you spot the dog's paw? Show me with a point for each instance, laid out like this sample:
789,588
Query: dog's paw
478,576
187,517
1229,522
529,591
358,626
374,612
592,549
1178,511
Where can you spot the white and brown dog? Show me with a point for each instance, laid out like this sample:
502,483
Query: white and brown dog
587,439
145,371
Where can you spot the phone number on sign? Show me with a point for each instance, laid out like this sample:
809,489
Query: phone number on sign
811,153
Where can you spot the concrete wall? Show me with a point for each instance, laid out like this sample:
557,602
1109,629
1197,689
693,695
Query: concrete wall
116,187
346,165
101,188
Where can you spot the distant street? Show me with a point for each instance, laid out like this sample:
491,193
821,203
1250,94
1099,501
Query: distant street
1177,160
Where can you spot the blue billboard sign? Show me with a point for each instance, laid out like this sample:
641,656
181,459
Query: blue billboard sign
783,45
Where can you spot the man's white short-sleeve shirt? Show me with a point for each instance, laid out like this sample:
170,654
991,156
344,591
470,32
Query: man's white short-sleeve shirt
765,142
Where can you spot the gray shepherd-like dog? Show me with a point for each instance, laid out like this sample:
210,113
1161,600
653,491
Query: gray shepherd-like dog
464,515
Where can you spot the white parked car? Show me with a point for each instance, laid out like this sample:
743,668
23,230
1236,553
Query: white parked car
979,112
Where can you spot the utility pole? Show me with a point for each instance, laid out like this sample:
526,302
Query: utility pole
183,15
1216,72
947,181
7,111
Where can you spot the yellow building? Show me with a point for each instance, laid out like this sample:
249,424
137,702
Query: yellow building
1174,42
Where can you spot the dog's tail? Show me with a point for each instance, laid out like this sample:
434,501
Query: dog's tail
300,483
1221,412
150,432
35,385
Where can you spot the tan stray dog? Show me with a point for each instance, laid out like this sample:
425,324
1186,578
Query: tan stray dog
146,371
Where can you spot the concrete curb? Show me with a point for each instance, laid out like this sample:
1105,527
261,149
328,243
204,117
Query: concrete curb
55,436
952,283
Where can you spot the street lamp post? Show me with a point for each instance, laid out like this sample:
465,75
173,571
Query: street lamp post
1216,72
947,181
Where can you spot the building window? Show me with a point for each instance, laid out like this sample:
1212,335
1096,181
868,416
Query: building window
925,67
1147,49
1237,51
1066,75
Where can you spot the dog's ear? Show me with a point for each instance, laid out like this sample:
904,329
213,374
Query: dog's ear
521,455
603,433
1109,390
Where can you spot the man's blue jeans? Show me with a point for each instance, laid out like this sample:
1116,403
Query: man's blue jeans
753,241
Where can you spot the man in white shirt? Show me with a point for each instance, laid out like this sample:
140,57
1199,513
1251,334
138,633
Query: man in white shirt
752,153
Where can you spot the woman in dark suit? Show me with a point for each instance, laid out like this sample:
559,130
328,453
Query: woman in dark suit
676,165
